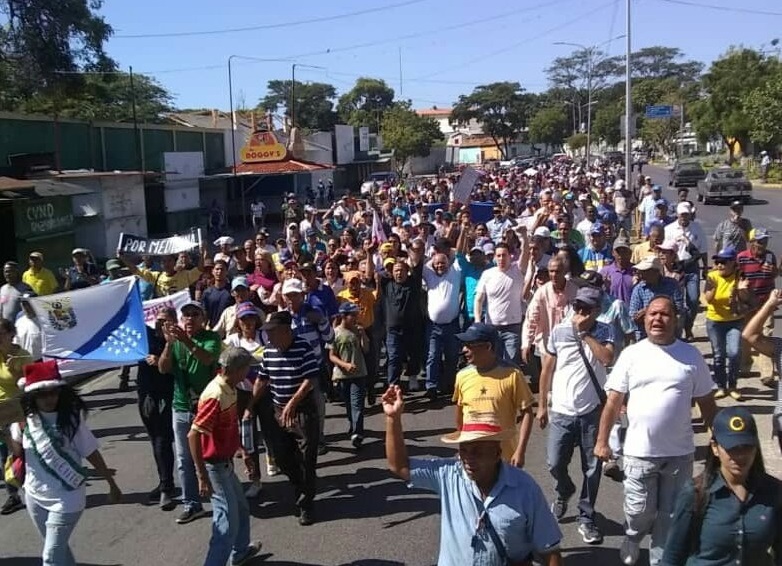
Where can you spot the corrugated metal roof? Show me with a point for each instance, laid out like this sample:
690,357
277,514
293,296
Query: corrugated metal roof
280,167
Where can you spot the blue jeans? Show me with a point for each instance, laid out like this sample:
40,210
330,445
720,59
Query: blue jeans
565,433
354,392
651,486
184,461
56,529
509,347
401,350
230,516
725,338
692,298
443,349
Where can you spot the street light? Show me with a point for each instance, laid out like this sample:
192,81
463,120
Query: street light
293,88
589,53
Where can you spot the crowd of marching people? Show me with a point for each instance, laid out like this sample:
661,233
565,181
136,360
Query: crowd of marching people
540,303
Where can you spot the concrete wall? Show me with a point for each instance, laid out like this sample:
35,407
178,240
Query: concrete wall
426,165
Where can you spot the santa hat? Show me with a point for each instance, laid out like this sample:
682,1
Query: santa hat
41,375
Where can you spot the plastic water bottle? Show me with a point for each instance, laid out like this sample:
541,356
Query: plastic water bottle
247,435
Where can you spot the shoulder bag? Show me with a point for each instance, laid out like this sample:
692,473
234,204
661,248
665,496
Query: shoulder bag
601,394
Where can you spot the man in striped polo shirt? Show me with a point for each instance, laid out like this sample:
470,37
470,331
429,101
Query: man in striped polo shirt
759,265
290,370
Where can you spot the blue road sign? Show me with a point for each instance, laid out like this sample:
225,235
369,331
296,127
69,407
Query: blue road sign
659,112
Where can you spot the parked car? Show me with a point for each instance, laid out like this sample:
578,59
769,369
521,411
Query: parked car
725,183
686,174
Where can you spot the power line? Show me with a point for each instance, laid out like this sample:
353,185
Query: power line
517,44
723,8
271,26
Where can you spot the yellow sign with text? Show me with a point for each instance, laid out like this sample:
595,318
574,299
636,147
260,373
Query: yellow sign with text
263,147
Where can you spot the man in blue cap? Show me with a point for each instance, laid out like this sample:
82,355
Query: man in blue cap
488,385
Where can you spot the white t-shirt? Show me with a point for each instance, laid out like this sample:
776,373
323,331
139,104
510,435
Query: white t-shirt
501,292
572,390
29,336
585,226
662,382
255,347
693,233
443,293
45,489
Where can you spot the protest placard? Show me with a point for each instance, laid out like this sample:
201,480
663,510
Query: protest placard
141,245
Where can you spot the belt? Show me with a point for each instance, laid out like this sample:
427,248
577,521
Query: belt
218,461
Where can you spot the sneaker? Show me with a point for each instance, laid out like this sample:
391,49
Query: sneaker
189,515
253,491
431,394
612,470
412,384
629,552
322,449
124,387
720,393
356,440
166,501
12,505
768,381
736,394
559,508
252,551
590,533
371,397
271,467
305,518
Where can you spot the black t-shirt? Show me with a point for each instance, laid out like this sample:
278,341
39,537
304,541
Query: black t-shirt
150,380
402,303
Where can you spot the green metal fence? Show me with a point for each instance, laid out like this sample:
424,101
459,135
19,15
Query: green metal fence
106,146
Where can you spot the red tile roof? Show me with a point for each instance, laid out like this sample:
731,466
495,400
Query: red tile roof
280,167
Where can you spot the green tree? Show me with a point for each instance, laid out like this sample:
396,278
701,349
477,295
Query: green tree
605,125
726,86
501,108
106,98
366,103
763,107
576,142
408,134
314,103
44,44
549,126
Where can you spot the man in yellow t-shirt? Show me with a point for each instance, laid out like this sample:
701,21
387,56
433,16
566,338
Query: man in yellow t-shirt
38,278
490,386
170,279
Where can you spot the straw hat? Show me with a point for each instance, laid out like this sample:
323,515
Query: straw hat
477,427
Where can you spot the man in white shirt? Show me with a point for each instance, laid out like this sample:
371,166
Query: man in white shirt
29,335
693,247
576,394
443,281
585,226
310,221
659,446
500,287
258,213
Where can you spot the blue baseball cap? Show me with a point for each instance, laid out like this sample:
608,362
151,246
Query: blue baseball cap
609,217
348,308
239,282
286,257
478,332
734,426
597,228
726,253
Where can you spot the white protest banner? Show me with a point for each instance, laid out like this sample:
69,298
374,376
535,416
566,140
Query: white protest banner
128,243
463,189
154,306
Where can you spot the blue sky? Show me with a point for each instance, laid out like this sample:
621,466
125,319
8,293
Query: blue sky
481,42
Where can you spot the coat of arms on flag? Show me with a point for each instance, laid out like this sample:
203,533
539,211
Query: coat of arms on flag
104,323
60,311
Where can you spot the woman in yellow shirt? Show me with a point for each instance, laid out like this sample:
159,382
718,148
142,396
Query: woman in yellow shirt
12,361
725,294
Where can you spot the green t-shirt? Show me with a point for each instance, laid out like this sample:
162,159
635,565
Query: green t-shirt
190,375
347,347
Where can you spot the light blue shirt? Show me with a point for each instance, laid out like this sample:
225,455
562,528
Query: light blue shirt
497,227
516,508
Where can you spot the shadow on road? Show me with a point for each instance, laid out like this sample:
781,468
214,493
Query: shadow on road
265,560
591,555
30,561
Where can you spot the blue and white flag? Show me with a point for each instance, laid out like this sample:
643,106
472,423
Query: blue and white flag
101,323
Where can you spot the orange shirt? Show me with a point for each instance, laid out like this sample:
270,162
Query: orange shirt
366,305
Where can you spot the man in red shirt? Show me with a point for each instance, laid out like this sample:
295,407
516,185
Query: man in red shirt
214,440
758,265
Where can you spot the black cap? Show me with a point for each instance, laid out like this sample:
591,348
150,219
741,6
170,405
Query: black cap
278,319
735,426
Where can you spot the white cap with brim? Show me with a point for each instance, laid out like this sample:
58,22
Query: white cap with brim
649,262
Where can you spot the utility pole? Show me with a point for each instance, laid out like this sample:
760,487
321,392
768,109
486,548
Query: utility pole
589,104
401,83
293,96
628,99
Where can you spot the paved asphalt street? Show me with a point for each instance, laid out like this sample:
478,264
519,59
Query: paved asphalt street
364,515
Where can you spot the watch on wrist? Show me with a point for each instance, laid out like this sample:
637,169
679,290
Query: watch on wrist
583,334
